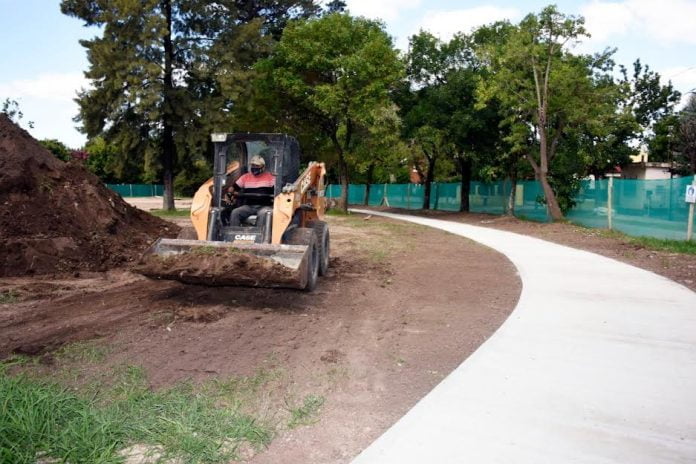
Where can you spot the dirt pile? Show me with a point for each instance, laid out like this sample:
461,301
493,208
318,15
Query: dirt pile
58,217
218,267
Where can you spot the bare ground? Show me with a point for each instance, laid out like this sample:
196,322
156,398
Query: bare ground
401,307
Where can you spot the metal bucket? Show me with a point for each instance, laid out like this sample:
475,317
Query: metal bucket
222,263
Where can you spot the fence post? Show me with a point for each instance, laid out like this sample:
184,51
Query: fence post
130,189
610,195
408,195
690,225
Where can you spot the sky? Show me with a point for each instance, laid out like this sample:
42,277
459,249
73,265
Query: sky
42,62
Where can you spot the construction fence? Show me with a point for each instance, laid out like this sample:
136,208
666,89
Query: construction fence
651,208
137,190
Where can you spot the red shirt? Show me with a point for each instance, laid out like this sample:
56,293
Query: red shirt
250,181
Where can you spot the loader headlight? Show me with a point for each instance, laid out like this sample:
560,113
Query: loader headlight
218,137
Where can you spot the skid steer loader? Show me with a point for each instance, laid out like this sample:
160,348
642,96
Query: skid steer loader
286,245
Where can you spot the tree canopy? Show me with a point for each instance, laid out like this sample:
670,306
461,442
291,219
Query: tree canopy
166,73
334,73
505,101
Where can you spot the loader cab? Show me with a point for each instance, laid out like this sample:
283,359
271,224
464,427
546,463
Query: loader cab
281,154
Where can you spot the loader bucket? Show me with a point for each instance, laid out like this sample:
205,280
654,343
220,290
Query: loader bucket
224,263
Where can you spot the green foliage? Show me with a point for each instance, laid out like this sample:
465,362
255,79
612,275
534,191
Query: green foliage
109,165
59,149
8,296
672,246
686,138
189,179
167,73
306,413
11,109
330,76
42,420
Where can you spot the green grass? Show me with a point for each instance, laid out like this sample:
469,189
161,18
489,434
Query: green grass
337,212
306,413
650,243
173,213
40,418
673,246
8,296
86,351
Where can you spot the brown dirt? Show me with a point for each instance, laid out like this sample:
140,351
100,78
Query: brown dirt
217,267
401,307
679,267
57,217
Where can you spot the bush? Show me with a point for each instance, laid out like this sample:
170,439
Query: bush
187,181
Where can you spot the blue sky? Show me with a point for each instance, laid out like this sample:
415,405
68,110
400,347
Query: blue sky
43,62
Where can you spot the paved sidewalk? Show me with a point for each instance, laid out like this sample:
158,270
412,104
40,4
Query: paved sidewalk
597,364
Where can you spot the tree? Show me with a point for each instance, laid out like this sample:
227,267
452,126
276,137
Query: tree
332,73
686,137
439,107
336,6
166,73
381,150
12,110
547,90
58,148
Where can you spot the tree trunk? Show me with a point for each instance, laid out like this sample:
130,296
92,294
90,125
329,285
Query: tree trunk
428,182
168,147
343,172
510,210
551,202
370,173
465,172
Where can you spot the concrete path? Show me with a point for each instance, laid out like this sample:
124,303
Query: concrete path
597,364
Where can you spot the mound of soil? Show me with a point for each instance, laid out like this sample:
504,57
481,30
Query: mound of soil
220,267
58,217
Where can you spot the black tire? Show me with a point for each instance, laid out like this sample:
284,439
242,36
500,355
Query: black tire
324,243
312,265
306,236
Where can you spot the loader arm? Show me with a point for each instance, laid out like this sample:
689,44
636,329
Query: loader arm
307,192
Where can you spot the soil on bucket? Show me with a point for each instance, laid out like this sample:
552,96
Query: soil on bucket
205,266
58,217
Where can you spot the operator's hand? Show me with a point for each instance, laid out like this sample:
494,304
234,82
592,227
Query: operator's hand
229,198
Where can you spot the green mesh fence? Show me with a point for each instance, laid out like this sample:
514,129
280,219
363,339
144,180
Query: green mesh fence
652,208
137,190
591,204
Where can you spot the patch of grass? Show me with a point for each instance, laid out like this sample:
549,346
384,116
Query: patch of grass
40,418
338,212
173,213
204,250
306,413
86,351
8,297
657,244
673,246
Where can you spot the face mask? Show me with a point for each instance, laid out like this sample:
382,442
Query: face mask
256,171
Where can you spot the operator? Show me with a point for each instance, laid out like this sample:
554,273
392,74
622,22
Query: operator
257,181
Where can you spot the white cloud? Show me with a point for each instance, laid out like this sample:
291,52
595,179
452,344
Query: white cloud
45,86
387,10
666,21
445,24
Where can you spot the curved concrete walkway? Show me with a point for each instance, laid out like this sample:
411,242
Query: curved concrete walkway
597,364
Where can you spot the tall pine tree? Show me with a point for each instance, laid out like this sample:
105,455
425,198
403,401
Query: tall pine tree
165,73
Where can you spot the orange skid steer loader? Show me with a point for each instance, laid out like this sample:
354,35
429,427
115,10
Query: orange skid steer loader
284,245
